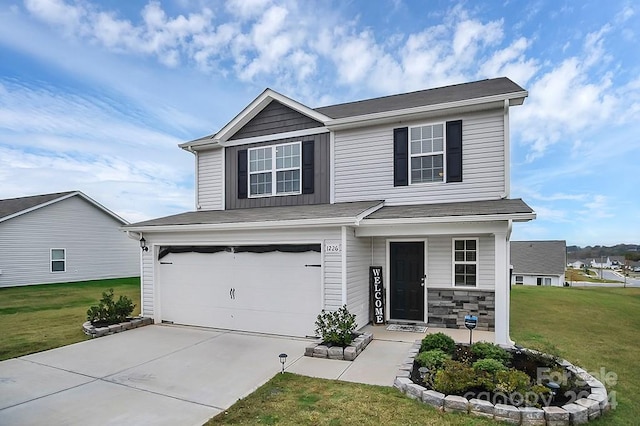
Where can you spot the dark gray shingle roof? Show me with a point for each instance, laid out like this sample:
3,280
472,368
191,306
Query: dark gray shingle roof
457,92
538,257
469,208
264,214
12,206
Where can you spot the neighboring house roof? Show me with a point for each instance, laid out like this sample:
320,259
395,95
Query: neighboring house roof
479,209
538,257
440,95
339,213
13,207
376,110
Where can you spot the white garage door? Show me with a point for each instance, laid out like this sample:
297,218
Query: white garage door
271,292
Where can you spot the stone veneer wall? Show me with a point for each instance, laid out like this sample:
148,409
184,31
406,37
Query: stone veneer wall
447,307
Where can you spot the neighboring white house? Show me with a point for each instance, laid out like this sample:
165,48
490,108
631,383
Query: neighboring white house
578,264
295,204
62,237
538,262
604,264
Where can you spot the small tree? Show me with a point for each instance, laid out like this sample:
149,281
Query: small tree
337,327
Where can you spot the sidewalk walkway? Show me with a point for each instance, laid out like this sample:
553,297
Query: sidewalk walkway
379,362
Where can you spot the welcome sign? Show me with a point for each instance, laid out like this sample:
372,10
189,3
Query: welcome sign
377,294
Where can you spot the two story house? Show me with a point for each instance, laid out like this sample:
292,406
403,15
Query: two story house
295,204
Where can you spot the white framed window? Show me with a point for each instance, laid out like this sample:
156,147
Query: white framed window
519,279
426,153
58,260
275,170
547,281
465,262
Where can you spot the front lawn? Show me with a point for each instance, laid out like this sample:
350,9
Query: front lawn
594,328
41,317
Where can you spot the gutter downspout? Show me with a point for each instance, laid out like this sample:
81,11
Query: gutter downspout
195,186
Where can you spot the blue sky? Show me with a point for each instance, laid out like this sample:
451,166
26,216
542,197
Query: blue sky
95,96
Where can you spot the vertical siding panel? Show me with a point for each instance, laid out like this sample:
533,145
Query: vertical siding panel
95,246
364,164
321,183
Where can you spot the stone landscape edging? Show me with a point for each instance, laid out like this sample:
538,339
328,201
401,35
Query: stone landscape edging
92,331
348,353
581,411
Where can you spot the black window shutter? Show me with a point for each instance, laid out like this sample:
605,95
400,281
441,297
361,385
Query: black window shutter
401,156
454,151
242,173
308,174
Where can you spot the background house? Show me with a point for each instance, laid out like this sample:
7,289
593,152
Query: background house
294,205
538,262
62,237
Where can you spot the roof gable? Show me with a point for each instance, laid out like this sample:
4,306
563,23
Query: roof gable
275,118
13,207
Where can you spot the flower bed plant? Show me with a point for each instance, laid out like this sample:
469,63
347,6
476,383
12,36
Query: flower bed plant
487,371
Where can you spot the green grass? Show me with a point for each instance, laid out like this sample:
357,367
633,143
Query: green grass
596,328
592,327
289,399
47,316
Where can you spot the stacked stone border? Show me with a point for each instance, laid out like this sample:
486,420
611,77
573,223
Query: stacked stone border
348,353
132,323
581,411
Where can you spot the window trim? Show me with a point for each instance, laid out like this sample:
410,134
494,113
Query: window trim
465,262
443,152
64,260
519,281
274,171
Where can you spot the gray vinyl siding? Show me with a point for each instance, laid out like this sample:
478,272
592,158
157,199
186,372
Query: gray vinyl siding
331,268
358,262
95,247
440,258
321,175
364,164
275,118
210,179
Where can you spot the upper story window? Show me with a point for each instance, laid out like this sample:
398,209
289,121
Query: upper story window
275,170
465,262
58,260
426,153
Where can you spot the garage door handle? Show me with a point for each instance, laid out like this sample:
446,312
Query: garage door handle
232,293
313,266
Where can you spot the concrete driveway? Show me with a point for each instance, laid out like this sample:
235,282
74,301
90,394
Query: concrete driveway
152,375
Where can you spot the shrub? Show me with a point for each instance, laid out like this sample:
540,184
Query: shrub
484,350
454,378
109,311
337,327
510,381
488,365
438,341
432,359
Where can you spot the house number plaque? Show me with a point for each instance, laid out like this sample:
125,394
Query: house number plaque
377,294
332,248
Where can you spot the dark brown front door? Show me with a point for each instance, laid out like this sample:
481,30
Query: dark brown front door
407,280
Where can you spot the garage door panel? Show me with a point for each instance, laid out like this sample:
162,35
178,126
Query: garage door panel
272,292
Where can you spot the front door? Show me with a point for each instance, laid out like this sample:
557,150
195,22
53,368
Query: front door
407,280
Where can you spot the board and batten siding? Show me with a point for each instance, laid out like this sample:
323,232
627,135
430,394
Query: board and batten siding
275,118
363,168
95,247
358,253
210,179
331,268
321,191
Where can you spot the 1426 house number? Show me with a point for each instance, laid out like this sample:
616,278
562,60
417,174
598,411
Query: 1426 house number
331,248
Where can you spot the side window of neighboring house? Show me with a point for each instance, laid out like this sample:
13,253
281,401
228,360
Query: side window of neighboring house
465,262
539,281
519,279
58,260
547,281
